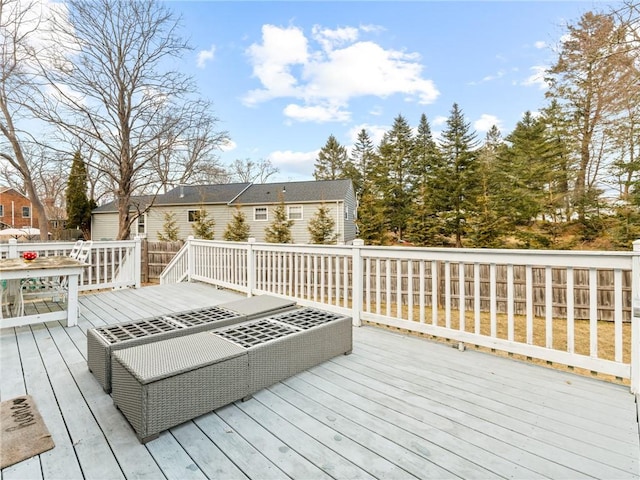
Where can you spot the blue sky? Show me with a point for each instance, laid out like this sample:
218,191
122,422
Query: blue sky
284,76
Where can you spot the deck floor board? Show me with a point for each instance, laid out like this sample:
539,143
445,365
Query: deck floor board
398,407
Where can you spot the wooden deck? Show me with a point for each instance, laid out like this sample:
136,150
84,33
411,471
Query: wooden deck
398,407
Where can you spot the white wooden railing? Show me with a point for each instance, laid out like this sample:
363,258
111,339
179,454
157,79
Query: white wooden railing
112,264
570,307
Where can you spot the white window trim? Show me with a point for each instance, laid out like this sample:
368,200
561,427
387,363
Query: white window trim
266,213
289,207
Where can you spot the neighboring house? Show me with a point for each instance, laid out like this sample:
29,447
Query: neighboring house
302,200
16,210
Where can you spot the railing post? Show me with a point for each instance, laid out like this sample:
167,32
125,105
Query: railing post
190,258
137,261
635,318
357,286
251,267
13,248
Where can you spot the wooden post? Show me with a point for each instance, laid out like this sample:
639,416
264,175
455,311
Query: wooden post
357,286
251,267
13,248
137,256
635,319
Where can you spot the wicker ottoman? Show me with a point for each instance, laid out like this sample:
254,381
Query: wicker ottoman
282,345
103,341
162,384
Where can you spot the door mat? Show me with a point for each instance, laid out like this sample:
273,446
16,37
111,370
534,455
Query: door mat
23,433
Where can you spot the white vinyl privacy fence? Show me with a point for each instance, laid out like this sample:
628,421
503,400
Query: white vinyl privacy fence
576,308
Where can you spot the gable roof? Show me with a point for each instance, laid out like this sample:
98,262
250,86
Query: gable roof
11,189
243,194
185,195
298,192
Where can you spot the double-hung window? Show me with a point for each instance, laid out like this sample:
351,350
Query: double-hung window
294,212
260,214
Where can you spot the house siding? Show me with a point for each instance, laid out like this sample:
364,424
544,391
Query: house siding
105,221
12,202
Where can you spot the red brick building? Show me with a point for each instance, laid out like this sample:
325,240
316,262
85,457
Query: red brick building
16,210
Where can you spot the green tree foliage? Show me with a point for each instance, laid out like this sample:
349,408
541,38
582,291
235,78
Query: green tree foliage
238,229
279,231
332,161
392,176
78,204
490,222
203,227
322,227
169,228
455,188
524,167
424,226
371,220
359,165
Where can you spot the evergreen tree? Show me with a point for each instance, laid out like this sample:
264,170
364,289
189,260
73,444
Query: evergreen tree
331,161
455,186
169,228
78,204
392,176
360,161
280,229
424,226
489,223
371,220
238,229
203,227
321,227
524,165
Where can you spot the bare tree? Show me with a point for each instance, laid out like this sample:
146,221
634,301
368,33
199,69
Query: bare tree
20,41
192,156
248,171
114,88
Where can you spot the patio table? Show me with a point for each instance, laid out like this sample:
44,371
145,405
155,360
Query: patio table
14,270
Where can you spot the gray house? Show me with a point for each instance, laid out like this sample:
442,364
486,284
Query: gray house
257,201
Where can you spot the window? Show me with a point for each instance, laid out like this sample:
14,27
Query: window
141,223
346,213
294,212
194,215
260,213
26,212
1,210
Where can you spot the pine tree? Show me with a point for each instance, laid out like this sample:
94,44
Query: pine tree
321,227
360,161
455,187
169,228
392,176
332,161
203,227
280,229
371,220
238,229
489,223
78,204
424,225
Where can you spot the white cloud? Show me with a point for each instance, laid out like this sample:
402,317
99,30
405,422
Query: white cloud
316,113
325,79
537,77
375,132
540,44
205,56
439,120
485,122
228,146
294,164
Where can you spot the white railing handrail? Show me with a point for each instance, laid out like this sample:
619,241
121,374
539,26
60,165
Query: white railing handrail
112,264
471,294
